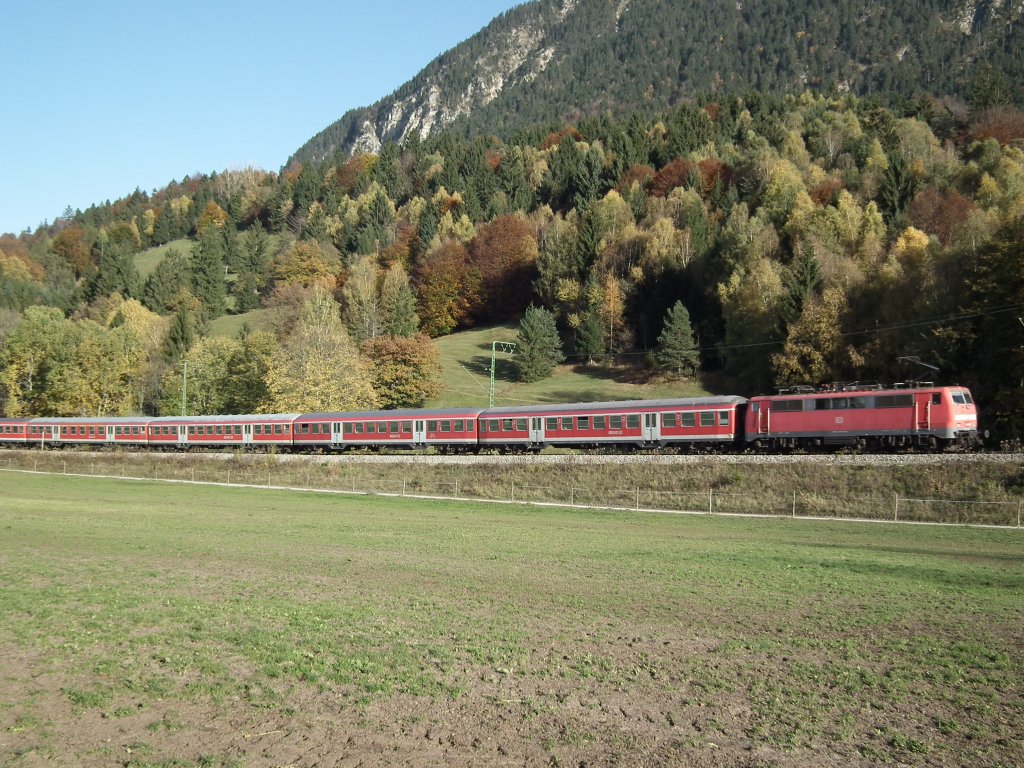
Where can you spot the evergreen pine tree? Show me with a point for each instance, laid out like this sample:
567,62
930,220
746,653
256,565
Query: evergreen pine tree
802,279
180,335
164,284
398,304
246,292
898,189
208,272
590,338
538,347
116,272
677,350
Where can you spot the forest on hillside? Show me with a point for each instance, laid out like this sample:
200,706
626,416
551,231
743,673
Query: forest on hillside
810,238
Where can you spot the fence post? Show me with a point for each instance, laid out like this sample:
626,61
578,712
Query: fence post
572,500
403,486
638,498
711,501
1019,504
896,510
794,503
512,494
456,489
65,463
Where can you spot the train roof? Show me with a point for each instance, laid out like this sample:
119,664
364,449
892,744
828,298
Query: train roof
858,391
91,420
639,405
397,413
240,418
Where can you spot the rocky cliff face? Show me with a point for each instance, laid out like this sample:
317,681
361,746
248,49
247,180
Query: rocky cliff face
552,60
513,50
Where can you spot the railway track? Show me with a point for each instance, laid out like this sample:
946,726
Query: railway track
568,459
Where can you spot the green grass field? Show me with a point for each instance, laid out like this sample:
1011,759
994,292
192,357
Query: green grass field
230,325
466,361
147,261
146,624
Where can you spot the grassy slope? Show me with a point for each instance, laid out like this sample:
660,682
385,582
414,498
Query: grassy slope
466,360
230,325
147,261
807,643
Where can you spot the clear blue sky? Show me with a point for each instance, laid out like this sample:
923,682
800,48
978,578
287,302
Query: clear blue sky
100,98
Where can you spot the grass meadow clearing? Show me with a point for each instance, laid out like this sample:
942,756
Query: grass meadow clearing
466,365
146,624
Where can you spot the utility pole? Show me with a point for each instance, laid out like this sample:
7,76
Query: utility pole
184,386
505,346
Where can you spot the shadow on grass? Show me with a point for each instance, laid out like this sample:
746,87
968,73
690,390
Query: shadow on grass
503,369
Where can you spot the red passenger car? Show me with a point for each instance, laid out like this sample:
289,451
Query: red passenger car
223,431
110,430
14,431
442,428
683,422
859,415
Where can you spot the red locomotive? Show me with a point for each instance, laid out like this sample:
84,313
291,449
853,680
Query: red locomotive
861,415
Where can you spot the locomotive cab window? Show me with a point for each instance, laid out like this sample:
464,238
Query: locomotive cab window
936,398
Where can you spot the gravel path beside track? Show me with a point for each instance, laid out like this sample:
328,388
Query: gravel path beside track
555,459
899,459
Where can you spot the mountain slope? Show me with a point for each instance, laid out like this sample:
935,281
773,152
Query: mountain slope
558,59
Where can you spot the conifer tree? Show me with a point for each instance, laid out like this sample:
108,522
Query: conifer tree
164,284
590,338
208,272
398,304
538,347
677,350
180,335
116,272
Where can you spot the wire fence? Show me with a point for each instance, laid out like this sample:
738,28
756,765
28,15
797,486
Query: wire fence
269,473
